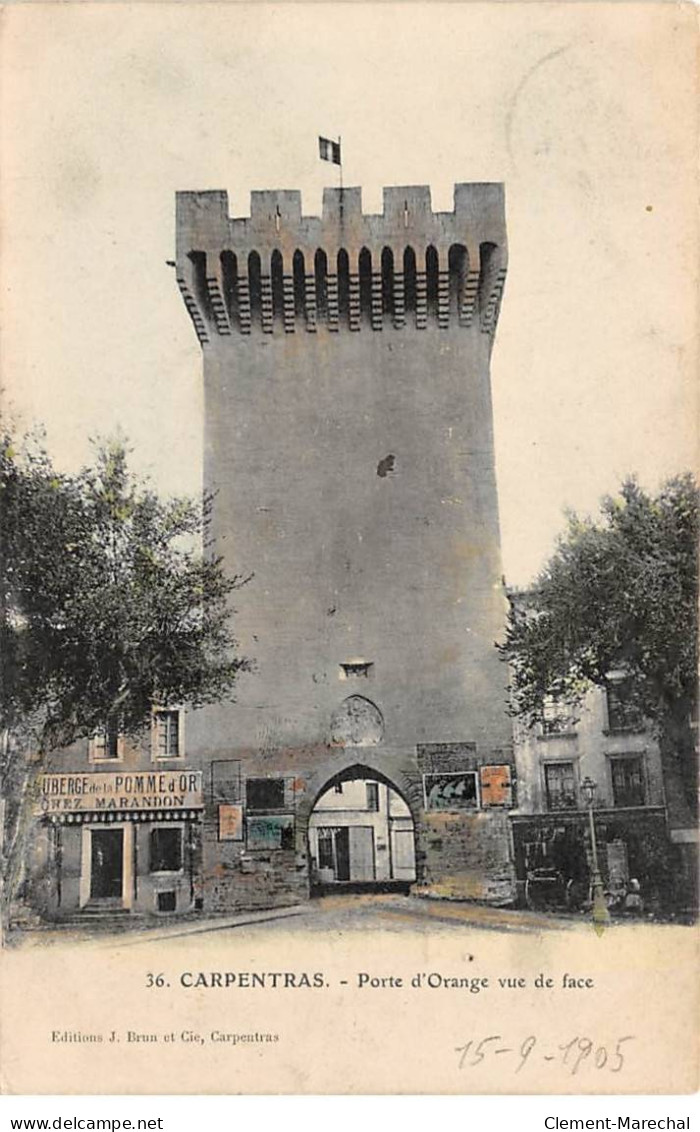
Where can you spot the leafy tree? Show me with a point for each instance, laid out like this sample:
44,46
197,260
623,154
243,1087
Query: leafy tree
620,594
110,603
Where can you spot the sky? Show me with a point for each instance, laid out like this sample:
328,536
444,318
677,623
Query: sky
587,112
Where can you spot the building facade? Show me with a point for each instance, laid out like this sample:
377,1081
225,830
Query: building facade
601,752
117,826
349,440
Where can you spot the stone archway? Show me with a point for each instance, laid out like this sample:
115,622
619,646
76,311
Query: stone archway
351,762
360,827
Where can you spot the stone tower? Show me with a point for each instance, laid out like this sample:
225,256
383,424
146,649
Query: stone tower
349,439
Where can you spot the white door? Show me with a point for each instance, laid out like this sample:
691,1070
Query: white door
403,854
361,852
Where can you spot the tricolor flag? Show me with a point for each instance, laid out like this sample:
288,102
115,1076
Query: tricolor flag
329,150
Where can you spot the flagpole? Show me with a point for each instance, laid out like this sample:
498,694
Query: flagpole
340,163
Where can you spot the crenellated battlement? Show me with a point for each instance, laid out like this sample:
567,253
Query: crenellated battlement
280,271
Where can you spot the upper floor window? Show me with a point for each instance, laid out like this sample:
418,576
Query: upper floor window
107,745
560,786
557,718
372,796
167,734
627,780
623,712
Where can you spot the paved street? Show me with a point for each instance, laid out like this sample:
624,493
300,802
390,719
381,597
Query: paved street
330,915
356,913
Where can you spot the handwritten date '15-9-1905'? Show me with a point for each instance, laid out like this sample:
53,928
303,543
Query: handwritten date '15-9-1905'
571,1054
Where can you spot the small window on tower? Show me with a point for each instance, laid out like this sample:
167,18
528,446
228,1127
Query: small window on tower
356,668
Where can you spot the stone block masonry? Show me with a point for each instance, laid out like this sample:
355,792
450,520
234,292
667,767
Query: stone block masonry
349,438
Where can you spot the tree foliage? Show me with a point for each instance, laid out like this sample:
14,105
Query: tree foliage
618,594
109,605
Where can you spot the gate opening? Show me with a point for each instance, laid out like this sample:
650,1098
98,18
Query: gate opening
361,839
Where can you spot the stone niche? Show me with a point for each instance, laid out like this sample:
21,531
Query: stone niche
357,722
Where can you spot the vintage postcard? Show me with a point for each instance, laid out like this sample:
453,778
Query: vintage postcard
336,757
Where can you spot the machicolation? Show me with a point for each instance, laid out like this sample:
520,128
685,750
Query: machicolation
278,272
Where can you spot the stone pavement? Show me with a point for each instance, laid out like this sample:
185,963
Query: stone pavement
342,912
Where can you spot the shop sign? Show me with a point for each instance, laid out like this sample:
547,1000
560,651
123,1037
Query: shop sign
159,790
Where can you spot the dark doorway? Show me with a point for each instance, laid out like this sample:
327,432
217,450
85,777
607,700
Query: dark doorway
342,853
107,864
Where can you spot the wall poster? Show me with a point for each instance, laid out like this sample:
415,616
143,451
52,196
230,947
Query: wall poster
496,786
452,791
230,822
275,831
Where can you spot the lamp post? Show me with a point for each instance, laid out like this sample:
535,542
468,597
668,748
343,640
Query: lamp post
601,915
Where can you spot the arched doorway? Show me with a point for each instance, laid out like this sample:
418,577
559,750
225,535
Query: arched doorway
361,835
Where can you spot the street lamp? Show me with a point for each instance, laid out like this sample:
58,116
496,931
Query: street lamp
601,915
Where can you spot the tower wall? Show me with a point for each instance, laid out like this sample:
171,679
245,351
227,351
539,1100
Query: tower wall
348,436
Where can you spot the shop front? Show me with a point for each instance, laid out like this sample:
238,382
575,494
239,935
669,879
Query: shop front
553,858
118,843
